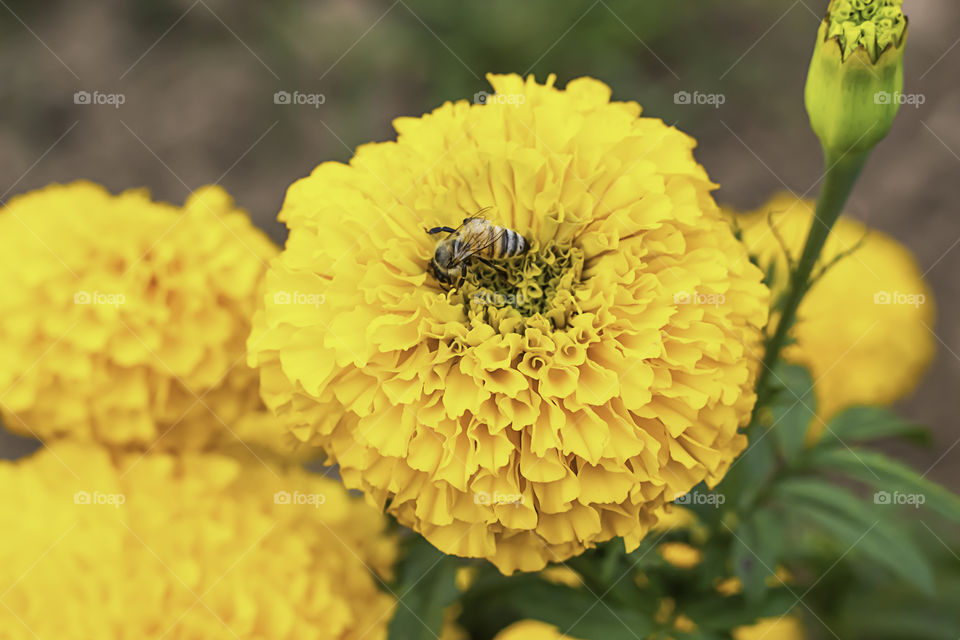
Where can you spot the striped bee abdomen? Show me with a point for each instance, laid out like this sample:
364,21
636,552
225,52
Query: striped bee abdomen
510,244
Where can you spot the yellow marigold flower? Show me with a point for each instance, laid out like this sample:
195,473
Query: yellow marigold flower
451,630
550,403
560,574
680,554
729,586
531,630
732,586
465,577
195,545
122,319
863,330
684,624
785,628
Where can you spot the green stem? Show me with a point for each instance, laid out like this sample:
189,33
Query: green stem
842,173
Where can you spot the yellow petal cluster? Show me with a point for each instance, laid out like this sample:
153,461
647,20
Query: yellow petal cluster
198,545
123,320
550,403
865,329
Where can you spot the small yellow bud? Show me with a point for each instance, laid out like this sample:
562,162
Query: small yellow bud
856,75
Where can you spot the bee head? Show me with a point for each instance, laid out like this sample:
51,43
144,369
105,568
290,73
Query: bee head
442,264
439,273
443,256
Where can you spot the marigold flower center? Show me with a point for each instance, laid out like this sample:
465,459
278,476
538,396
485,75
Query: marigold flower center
528,290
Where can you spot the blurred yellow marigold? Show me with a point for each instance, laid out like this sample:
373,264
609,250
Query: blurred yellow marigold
786,628
680,554
198,545
122,319
537,409
863,330
531,630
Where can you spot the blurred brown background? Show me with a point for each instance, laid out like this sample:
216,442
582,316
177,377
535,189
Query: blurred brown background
198,80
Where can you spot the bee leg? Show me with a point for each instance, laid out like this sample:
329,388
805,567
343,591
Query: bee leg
439,229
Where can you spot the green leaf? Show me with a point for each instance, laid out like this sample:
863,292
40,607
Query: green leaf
749,474
921,623
887,610
425,587
896,483
577,612
857,526
727,613
792,409
860,424
756,551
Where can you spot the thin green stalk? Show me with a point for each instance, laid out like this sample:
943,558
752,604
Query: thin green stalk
842,174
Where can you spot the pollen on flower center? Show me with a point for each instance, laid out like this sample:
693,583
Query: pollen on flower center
528,289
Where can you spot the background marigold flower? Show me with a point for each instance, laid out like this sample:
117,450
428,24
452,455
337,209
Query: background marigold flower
545,406
680,554
531,630
122,319
864,329
786,628
783,628
198,545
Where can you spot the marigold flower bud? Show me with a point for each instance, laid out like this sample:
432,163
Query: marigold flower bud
856,74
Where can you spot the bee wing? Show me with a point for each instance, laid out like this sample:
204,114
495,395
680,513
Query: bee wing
475,216
496,238
468,249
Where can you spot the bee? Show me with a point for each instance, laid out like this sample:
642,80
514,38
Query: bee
476,238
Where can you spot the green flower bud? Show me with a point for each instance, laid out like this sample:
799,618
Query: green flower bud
856,74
